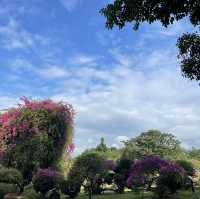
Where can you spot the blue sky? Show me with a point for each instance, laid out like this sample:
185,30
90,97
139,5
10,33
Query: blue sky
120,82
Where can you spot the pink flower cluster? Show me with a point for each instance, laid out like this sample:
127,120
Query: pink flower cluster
51,106
11,128
70,148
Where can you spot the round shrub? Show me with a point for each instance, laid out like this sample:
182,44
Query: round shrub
8,188
11,176
35,134
46,180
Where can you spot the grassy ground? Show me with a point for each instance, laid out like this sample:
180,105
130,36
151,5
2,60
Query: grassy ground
116,196
182,195
30,194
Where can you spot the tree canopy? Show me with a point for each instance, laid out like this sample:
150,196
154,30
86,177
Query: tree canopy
120,12
152,142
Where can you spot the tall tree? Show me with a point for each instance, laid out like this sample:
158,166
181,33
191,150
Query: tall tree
152,142
120,12
102,147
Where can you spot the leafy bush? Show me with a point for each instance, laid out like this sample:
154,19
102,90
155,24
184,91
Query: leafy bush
70,188
8,188
11,176
45,180
35,134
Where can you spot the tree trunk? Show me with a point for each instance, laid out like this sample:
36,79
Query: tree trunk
90,193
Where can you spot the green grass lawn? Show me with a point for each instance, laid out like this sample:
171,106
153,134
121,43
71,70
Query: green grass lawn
131,195
116,196
30,194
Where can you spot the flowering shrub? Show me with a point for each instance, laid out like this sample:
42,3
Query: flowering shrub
45,180
35,134
148,169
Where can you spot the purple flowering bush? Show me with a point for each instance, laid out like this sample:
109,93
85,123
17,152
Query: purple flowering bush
171,177
46,179
153,169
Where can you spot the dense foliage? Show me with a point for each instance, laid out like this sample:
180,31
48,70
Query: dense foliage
152,142
35,134
120,12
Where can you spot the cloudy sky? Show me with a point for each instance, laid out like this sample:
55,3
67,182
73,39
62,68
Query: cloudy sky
120,83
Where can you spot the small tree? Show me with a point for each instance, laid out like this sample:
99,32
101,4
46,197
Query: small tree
102,147
86,170
121,174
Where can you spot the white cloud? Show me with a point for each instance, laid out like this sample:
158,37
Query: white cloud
14,36
69,4
52,72
121,138
7,102
82,59
20,63
126,101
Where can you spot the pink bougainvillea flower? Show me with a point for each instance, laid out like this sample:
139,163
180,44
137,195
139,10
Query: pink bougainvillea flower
13,126
71,147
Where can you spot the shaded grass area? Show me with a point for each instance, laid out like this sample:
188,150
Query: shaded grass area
131,195
30,194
